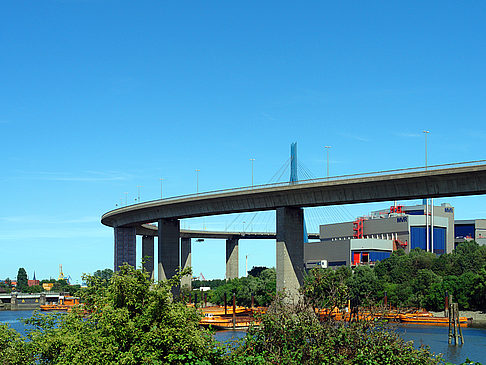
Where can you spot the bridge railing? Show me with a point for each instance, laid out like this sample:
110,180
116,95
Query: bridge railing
323,179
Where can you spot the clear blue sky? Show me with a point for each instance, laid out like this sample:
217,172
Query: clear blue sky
98,97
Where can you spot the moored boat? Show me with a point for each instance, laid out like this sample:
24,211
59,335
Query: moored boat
65,304
434,321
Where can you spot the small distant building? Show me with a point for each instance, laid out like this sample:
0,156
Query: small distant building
468,230
47,286
33,282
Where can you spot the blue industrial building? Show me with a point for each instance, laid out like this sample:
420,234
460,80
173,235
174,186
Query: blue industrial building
372,238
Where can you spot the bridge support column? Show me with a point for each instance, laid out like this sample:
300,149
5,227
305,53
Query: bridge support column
186,254
290,250
148,255
232,258
125,247
13,302
169,249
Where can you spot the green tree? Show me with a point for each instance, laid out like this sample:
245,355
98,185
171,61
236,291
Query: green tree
421,259
262,287
422,284
364,284
13,349
104,274
22,281
398,268
256,270
469,256
131,321
479,290
292,334
35,289
326,288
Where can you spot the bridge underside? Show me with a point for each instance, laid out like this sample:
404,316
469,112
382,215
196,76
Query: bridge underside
289,246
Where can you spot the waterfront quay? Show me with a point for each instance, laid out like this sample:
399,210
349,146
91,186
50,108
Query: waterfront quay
22,301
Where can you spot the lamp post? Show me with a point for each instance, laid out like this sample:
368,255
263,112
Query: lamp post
426,132
161,187
197,181
138,197
427,238
126,198
327,153
252,159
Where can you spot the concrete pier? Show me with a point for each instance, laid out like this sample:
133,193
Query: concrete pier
169,249
13,302
148,254
290,250
232,258
186,281
125,247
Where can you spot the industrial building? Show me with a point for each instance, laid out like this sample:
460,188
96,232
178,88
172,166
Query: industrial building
474,229
374,237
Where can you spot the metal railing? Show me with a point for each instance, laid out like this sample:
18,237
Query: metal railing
323,179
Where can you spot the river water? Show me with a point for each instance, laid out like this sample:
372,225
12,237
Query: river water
435,337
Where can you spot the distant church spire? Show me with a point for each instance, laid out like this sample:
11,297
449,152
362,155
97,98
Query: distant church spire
34,275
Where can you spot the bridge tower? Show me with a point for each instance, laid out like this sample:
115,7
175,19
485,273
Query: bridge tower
291,235
294,177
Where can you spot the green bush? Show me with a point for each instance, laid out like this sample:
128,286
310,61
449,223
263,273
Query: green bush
292,334
131,321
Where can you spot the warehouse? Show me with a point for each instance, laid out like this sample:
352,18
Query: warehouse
374,237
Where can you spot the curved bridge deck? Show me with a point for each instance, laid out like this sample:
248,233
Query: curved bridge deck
288,199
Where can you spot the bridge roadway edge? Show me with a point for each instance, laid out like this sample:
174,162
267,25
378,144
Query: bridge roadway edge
432,184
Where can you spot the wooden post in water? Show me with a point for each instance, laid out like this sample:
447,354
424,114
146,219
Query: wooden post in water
455,330
450,324
234,310
459,329
456,322
459,325
446,307
225,305
195,299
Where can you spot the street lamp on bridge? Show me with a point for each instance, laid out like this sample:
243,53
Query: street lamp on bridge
252,159
197,181
327,153
426,132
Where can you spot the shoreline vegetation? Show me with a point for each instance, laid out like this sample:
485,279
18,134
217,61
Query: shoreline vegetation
419,279
129,319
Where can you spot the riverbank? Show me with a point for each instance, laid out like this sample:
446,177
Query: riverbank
478,317
434,336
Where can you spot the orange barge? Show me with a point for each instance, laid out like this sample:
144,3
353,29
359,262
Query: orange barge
218,318
65,304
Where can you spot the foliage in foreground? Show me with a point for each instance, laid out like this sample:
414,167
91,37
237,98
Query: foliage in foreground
132,321
292,334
